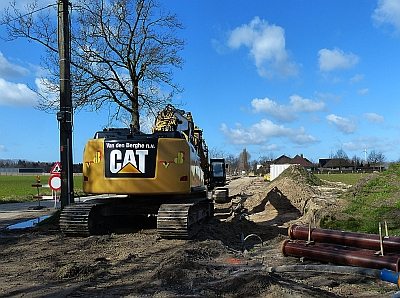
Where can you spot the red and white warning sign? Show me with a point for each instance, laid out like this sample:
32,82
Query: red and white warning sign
55,177
55,182
56,169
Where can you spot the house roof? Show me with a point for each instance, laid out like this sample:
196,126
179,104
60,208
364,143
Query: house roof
283,159
298,159
338,163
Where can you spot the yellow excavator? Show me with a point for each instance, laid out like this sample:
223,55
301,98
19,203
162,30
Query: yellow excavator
165,173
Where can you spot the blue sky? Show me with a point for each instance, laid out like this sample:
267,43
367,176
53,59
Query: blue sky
275,77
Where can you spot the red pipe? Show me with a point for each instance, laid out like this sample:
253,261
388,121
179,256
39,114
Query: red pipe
341,255
362,240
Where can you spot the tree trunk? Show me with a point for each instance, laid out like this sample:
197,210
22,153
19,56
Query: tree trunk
135,125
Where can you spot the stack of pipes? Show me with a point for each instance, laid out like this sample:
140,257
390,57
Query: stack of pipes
344,248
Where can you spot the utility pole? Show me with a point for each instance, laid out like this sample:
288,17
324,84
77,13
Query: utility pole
64,116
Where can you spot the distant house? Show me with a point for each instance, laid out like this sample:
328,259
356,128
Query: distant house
281,160
336,164
298,160
322,162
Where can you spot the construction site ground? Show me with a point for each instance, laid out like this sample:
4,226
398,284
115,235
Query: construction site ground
136,262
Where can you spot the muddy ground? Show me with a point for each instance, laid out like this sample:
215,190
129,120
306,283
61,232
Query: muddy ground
138,263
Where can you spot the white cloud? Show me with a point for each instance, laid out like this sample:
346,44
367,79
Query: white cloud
10,70
328,97
300,137
288,112
270,147
267,47
343,124
357,78
388,12
16,94
363,91
300,104
272,108
3,148
263,131
47,90
239,135
374,118
330,60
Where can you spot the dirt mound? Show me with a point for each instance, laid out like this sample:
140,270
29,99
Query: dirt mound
296,196
293,186
300,174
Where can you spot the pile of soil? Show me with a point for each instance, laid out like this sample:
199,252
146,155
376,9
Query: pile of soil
296,194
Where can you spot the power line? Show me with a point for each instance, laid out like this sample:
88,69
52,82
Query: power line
29,13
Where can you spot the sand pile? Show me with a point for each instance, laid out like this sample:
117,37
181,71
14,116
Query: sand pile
296,196
295,184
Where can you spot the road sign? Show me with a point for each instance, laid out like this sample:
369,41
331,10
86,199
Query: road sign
56,169
55,182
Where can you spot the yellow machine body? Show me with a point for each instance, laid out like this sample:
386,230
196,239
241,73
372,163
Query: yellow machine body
163,173
147,165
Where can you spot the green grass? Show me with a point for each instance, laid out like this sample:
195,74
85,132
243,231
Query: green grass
19,188
367,204
348,178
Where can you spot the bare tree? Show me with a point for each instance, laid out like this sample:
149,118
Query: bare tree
123,53
356,162
340,154
266,158
215,152
376,158
233,164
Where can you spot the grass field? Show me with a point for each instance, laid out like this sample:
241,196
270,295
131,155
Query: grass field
19,188
348,178
375,200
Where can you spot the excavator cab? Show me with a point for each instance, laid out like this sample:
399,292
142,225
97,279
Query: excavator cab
217,172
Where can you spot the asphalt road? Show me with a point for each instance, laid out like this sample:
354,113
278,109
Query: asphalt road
13,213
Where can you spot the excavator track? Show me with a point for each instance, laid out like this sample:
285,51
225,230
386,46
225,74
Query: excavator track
174,220
80,219
182,221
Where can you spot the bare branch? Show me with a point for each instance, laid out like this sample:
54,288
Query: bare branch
123,52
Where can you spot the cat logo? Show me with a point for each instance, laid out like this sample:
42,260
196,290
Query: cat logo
129,161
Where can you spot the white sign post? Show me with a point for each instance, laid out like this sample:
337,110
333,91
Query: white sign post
55,181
